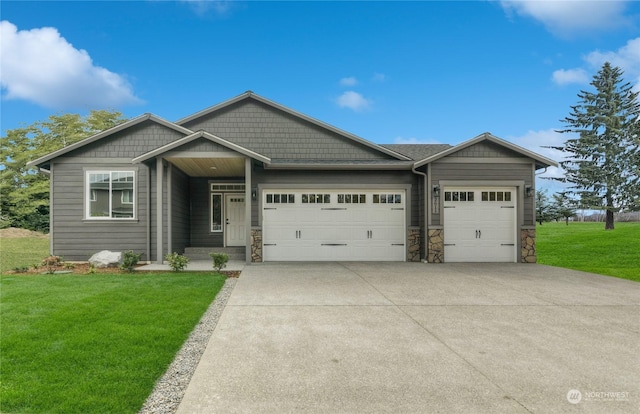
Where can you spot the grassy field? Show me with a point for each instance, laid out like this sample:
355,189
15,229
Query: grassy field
23,251
93,343
588,247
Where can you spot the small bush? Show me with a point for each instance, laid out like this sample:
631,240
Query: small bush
177,262
129,260
219,260
92,269
21,269
69,266
51,262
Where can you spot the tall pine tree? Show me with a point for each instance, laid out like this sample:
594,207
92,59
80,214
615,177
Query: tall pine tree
603,160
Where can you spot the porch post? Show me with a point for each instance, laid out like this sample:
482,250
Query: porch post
159,218
247,206
169,210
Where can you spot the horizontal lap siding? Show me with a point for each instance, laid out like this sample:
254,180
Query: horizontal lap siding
74,237
201,235
180,211
374,179
485,172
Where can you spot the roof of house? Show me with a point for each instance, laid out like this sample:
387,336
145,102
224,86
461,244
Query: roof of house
308,153
541,162
417,152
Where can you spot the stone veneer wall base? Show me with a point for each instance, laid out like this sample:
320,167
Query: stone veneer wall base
528,251
435,253
413,239
256,245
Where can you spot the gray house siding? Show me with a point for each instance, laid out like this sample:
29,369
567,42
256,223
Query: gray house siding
201,235
180,211
476,172
75,237
280,135
154,215
372,179
485,149
130,143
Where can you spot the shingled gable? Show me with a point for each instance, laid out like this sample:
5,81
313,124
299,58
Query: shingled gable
278,132
42,161
541,162
201,135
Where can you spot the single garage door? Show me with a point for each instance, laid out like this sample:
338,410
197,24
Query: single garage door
480,224
330,225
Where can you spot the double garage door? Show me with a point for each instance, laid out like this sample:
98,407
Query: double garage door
480,224
330,225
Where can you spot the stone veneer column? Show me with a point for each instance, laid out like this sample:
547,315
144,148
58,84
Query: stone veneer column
436,246
413,238
256,245
528,251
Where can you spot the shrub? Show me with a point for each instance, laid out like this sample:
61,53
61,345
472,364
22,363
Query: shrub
129,260
51,262
92,269
177,262
219,260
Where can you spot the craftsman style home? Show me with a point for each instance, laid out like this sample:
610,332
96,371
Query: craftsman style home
278,185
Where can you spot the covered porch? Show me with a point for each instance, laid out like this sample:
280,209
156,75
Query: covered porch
200,197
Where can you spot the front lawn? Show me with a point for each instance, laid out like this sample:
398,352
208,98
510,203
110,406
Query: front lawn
93,343
588,247
17,252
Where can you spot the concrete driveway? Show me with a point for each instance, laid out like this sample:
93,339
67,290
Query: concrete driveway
410,337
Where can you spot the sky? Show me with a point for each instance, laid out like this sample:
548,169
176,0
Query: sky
389,72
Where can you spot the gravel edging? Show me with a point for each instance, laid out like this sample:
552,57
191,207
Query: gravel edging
170,388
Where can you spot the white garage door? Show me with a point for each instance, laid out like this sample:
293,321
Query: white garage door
480,224
329,225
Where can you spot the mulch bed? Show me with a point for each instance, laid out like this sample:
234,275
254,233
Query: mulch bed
82,268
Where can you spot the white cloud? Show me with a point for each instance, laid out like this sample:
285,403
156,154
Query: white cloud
353,100
350,81
202,7
627,58
413,140
569,17
40,66
564,77
379,77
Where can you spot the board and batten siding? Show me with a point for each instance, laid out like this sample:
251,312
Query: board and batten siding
484,172
76,238
345,179
280,135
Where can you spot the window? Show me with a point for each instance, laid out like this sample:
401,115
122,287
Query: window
387,199
110,194
496,196
316,198
280,198
216,212
459,196
228,187
352,198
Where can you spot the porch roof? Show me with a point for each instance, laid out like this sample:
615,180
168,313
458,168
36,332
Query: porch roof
197,135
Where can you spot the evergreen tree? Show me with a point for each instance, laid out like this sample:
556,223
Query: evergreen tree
563,207
24,200
603,160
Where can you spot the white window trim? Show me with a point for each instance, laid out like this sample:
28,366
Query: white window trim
122,200
88,194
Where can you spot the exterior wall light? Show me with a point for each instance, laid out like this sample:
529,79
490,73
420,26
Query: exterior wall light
528,190
436,191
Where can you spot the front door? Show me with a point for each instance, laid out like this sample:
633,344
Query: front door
235,226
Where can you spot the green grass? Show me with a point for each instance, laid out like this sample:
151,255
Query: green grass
588,247
19,252
93,343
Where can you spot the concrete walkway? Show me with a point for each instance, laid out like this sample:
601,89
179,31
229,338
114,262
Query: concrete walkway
417,338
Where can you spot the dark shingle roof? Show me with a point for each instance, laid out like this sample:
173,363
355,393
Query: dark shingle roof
417,152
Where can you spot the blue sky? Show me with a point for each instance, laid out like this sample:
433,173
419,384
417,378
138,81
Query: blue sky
390,72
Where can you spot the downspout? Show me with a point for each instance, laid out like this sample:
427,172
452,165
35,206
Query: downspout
424,206
148,247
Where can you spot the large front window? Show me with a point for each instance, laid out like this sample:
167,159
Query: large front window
110,194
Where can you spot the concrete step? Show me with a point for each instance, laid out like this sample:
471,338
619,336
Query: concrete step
202,253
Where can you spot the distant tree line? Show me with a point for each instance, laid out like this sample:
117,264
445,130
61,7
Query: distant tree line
24,192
